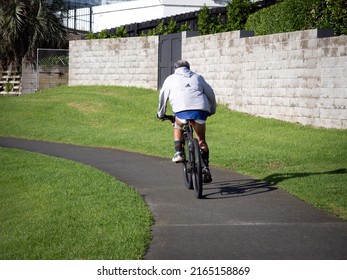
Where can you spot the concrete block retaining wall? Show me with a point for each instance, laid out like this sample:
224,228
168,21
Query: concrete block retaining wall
295,77
122,61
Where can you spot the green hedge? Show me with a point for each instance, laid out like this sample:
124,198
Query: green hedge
331,14
286,16
294,15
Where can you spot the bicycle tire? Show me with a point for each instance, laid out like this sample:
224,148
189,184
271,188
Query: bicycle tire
196,167
187,174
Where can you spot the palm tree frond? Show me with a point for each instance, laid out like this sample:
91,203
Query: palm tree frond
27,25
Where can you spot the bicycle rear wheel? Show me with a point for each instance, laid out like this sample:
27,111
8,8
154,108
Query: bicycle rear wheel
186,168
194,149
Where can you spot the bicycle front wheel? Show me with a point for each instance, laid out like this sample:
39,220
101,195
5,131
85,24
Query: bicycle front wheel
194,149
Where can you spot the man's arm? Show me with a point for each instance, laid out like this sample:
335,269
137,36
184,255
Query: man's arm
208,91
163,98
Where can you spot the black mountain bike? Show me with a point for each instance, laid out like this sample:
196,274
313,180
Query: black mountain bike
192,165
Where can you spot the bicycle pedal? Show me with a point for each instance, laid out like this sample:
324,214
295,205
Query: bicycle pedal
206,179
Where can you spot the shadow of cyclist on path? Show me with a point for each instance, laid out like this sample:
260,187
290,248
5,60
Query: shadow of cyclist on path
276,178
236,188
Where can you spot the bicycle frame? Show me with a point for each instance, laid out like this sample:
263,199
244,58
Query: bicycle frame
188,130
188,136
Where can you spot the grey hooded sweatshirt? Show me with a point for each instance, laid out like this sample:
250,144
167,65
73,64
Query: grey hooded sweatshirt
186,90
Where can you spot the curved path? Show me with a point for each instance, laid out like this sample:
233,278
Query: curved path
239,218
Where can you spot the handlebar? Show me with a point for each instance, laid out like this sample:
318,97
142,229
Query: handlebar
170,118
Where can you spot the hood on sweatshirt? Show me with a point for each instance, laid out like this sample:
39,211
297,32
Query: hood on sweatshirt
184,71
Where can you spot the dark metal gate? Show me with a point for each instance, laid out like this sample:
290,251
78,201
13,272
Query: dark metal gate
170,50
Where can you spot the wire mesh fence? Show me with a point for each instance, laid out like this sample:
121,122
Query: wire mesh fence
52,68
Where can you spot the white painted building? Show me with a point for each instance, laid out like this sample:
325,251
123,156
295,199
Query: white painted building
115,13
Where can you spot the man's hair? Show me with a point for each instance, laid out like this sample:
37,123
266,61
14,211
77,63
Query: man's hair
181,63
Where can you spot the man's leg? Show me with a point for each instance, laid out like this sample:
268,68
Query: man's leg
178,157
200,130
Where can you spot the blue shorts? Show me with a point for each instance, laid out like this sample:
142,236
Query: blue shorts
197,115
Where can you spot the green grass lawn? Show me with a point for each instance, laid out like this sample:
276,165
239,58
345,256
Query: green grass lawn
309,163
52,208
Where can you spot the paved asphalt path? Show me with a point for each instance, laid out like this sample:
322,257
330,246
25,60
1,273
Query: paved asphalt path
239,218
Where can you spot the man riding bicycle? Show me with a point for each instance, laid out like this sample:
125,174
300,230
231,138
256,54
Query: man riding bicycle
191,98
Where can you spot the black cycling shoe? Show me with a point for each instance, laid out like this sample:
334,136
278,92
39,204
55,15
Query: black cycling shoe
206,175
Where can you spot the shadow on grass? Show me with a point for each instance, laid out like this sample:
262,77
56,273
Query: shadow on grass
276,178
236,188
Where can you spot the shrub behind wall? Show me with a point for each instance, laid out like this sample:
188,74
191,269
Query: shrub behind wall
286,16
